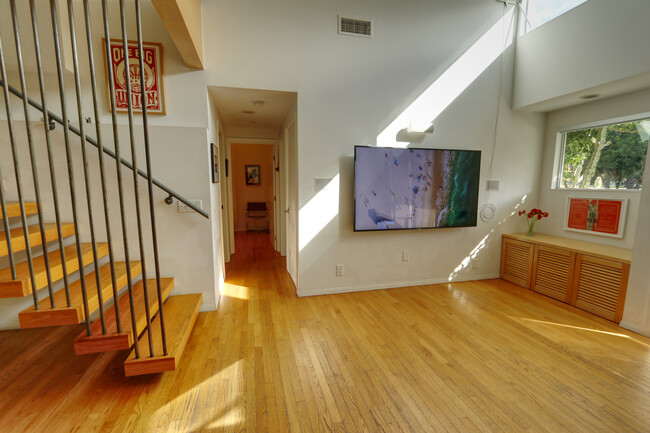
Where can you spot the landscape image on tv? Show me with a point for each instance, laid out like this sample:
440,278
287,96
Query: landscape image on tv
398,188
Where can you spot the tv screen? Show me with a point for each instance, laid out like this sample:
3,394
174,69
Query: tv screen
406,188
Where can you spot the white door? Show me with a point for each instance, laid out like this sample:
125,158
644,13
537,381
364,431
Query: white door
292,202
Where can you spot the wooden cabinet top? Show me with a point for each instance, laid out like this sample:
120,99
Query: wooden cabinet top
586,248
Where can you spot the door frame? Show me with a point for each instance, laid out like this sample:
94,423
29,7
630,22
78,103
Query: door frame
229,208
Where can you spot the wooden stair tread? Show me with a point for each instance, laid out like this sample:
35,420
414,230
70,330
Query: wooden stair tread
110,341
13,209
180,316
22,285
63,315
18,237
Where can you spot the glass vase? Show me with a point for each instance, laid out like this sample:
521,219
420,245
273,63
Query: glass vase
531,227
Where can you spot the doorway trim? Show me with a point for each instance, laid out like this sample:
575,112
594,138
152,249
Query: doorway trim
229,240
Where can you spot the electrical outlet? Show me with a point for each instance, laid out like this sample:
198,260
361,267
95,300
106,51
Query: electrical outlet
183,208
405,255
340,270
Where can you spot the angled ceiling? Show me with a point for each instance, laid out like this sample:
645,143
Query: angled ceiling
237,108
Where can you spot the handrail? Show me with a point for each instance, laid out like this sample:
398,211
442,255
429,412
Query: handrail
109,152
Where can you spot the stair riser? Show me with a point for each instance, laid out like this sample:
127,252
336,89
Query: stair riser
14,289
44,318
103,343
149,366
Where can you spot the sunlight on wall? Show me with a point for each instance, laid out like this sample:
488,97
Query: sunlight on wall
318,212
433,101
483,243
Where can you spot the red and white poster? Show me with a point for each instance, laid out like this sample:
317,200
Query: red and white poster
595,215
153,76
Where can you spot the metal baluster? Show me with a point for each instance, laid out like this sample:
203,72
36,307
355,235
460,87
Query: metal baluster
50,157
3,203
84,156
23,216
102,171
32,154
136,191
145,121
111,91
66,136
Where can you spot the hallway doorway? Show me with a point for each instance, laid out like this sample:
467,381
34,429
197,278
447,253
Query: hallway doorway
258,124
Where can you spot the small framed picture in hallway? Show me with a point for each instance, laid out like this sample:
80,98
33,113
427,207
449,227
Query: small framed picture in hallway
252,175
214,151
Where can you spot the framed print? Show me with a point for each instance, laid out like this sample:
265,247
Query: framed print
153,76
599,216
214,156
252,175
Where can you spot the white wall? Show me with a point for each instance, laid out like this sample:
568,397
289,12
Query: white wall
215,129
595,44
554,200
349,89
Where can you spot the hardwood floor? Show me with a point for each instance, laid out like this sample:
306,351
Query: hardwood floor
462,357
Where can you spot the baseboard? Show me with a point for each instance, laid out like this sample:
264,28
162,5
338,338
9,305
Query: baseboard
208,307
632,327
393,285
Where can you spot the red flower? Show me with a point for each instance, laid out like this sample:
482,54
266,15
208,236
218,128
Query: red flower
534,212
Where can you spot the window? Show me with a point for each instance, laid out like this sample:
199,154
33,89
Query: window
605,156
539,12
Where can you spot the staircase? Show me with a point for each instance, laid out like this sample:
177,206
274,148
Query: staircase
73,282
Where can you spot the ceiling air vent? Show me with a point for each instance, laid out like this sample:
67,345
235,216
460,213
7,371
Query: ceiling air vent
354,27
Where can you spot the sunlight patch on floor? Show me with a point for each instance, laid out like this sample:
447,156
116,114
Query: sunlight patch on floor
235,291
562,325
177,408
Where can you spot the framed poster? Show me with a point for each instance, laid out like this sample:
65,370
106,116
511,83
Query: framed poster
153,76
214,157
599,216
252,175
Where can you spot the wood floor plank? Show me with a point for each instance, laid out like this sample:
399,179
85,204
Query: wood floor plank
483,356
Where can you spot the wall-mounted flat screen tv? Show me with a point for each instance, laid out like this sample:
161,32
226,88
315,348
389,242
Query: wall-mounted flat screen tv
407,188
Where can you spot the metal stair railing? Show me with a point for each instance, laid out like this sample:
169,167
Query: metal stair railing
68,128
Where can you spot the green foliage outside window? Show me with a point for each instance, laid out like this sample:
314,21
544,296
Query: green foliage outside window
606,157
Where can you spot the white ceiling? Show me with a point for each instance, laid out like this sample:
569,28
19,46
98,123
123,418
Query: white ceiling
232,101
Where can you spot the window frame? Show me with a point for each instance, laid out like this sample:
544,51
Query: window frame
558,166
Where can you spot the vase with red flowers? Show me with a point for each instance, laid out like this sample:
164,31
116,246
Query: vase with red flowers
532,217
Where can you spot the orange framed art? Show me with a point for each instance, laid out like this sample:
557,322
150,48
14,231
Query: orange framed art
153,76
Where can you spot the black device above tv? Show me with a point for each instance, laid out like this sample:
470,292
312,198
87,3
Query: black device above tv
409,188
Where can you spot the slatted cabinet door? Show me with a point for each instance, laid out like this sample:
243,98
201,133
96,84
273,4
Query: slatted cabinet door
600,286
517,261
553,272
